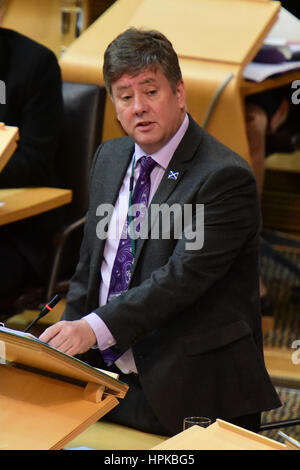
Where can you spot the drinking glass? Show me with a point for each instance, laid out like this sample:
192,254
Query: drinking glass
196,421
71,21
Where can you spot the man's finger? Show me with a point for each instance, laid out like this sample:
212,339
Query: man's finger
51,332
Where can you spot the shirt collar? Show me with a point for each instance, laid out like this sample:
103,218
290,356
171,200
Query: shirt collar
164,155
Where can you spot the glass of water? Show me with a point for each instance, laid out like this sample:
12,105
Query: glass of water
196,421
71,21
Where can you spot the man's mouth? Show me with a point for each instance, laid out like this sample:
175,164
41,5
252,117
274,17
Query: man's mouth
144,124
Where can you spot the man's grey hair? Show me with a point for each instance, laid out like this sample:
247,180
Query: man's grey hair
135,50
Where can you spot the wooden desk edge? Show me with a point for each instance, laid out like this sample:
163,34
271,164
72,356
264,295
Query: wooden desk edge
276,81
57,198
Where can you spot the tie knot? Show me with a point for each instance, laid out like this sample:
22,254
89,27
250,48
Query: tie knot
147,164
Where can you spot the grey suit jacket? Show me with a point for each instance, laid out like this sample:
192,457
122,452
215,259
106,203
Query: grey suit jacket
192,316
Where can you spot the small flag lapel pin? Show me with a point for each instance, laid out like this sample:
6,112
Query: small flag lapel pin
173,175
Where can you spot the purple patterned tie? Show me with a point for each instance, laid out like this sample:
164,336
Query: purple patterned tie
121,272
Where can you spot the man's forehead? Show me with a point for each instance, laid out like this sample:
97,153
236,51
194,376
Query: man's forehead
143,77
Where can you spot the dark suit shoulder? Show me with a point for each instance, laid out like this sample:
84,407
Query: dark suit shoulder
24,63
117,143
209,153
111,154
17,41
114,148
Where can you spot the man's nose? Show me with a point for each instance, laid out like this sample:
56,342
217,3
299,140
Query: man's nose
140,104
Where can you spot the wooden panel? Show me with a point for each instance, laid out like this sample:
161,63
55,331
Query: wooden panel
40,20
43,413
83,60
250,88
208,48
209,28
219,436
281,193
32,353
281,211
47,398
8,143
20,203
104,435
281,367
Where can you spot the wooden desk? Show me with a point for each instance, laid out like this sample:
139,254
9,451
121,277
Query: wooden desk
281,193
47,397
215,41
281,367
218,436
21,203
9,136
250,88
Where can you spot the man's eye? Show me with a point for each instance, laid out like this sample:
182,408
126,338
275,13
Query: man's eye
125,98
151,92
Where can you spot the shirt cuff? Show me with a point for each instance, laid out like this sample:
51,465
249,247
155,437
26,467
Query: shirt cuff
103,335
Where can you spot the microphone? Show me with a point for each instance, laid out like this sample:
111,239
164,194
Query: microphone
46,309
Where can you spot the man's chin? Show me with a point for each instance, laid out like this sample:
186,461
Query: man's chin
149,144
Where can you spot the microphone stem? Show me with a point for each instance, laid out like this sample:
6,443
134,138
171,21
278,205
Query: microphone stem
44,311
31,324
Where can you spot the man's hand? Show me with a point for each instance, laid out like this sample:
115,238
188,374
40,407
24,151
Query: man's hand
70,337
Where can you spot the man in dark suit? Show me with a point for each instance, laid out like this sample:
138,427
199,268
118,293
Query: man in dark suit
176,312
33,103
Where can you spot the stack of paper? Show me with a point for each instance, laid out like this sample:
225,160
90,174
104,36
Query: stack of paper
280,52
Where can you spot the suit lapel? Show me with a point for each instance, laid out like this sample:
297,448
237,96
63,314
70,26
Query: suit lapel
115,168
179,163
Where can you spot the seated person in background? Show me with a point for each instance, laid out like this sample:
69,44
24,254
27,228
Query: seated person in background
180,322
33,103
265,113
272,120
272,126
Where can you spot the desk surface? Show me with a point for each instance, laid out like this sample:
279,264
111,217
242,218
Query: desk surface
21,203
8,143
276,81
282,365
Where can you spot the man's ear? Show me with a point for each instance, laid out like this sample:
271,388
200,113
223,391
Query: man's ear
279,117
113,102
181,94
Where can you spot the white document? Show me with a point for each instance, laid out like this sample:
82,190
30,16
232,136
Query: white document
258,72
285,31
17,332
